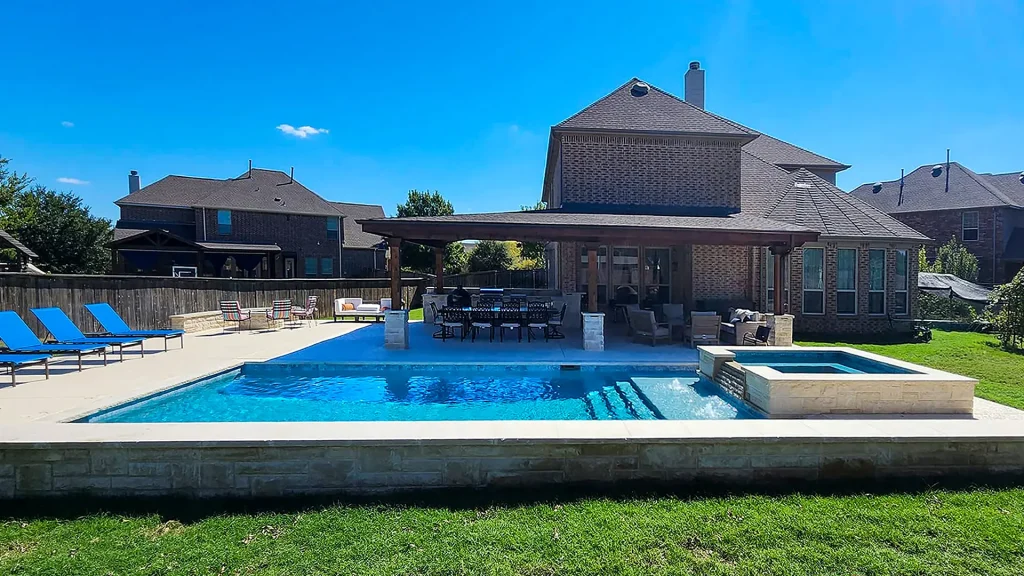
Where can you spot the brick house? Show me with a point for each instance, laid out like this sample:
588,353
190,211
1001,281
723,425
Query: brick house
985,211
262,224
365,253
653,199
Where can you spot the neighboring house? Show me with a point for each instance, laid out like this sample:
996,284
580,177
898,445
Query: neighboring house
985,211
263,224
654,199
365,254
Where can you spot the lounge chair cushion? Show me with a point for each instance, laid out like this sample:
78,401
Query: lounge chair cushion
368,308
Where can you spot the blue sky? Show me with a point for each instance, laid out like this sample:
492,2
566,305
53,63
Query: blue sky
459,97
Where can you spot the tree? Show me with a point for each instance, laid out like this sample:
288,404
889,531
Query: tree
490,255
421,258
532,253
55,225
1006,311
952,258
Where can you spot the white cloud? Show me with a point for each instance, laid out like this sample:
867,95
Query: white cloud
63,180
301,131
67,124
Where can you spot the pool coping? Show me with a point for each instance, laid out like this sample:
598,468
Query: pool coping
487,432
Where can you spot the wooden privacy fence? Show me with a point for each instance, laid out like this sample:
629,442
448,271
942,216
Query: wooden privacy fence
147,302
499,279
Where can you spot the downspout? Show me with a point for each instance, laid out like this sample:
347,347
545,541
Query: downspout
994,247
204,224
340,255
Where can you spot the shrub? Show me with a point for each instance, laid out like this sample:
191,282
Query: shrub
1006,311
931,307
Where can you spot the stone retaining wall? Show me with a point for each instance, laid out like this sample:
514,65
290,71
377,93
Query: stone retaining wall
198,321
270,468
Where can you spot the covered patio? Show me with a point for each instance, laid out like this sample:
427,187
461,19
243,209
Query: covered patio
591,230
161,252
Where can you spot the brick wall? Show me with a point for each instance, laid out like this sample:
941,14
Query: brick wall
363,262
157,214
568,263
304,235
941,225
643,170
721,273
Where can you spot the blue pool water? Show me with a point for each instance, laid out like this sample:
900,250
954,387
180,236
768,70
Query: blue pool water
289,393
816,362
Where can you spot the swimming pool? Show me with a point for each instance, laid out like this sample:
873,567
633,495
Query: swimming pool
274,392
816,362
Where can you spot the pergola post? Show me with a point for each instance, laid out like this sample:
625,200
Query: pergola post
781,324
395,266
438,270
591,278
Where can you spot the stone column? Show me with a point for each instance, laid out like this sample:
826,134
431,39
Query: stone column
593,331
782,329
396,329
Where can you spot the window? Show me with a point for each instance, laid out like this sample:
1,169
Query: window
327,267
626,274
657,275
814,281
969,226
310,267
876,282
846,281
224,222
332,228
902,279
602,273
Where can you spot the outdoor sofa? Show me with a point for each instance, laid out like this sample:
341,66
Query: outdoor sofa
356,309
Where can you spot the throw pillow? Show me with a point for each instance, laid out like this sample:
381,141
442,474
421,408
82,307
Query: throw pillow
348,306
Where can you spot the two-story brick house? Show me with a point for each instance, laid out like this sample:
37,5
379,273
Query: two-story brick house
984,211
263,223
654,199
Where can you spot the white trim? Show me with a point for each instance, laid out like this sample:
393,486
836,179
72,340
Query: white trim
856,265
803,282
885,267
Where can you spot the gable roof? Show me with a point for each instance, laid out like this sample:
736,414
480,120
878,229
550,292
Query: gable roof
924,192
258,191
653,111
787,155
804,199
354,235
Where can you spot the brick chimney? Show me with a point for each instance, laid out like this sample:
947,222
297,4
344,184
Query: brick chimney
134,183
694,85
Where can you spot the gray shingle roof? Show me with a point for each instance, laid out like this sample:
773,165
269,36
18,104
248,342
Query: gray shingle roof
739,222
263,191
1009,184
924,192
354,235
17,245
809,201
655,111
785,154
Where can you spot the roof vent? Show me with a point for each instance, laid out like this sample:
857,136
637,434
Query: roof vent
694,65
937,170
277,199
640,89
876,188
1021,178
802,184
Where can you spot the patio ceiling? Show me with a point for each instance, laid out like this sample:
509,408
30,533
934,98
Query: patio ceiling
558,225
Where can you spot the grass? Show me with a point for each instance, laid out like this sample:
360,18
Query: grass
1000,373
416,314
932,532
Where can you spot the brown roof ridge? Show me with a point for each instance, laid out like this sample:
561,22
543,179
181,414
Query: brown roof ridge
986,185
599,100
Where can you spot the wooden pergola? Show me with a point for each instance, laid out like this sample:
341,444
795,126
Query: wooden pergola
589,229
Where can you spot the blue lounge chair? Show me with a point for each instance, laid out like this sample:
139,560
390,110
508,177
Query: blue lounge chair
20,339
64,331
113,325
15,361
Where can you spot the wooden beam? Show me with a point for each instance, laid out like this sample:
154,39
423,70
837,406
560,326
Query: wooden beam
396,273
591,278
438,270
779,254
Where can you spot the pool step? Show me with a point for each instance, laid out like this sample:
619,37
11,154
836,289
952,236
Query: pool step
618,402
597,406
732,379
637,408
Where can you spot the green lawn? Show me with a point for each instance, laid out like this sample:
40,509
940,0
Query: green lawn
1000,374
933,532
416,314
